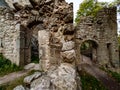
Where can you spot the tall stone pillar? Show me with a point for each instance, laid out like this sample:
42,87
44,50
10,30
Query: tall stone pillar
44,49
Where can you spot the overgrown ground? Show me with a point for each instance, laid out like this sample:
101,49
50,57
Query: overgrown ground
90,83
19,81
113,74
13,84
7,67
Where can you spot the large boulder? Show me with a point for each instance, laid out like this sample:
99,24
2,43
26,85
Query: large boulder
68,56
21,2
20,87
42,83
29,66
68,45
63,78
32,77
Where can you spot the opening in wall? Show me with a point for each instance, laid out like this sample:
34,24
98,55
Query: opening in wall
109,49
88,50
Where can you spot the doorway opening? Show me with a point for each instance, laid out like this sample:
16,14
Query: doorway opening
34,50
89,49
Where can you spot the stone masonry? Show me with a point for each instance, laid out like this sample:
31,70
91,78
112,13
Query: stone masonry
50,22
53,20
9,36
103,31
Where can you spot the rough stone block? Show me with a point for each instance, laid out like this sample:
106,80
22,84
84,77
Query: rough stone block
68,56
32,77
63,77
68,45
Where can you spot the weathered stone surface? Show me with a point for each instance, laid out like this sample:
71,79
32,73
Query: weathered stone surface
42,83
22,2
79,84
20,87
44,37
29,66
103,31
68,56
37,67
32,77
63,78
68,45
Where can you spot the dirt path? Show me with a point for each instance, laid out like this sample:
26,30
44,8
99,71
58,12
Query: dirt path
100,75
12,76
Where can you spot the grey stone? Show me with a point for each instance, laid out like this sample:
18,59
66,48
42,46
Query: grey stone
63,78
68,45
42,83
37,67
32,77
29,66
68,56
20,87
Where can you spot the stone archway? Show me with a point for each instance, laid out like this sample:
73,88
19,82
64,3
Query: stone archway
29,48
88,48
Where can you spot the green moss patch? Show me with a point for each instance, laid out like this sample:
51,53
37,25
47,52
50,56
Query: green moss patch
7,67
90,83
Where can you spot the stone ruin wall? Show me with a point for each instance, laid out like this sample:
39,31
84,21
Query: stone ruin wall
56,38
102,30
52,16
59,35
57,20
9,36
21,2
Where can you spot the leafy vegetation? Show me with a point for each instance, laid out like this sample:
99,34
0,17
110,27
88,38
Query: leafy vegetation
90,83
19,81
115,75
91,7
6,66
88,8
34,59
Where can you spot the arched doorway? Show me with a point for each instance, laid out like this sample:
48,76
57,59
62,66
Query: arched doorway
89,49
29,50
34,27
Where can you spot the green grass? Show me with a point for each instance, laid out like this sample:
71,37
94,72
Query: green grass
90,83
7,67
19,81
13,84
115,75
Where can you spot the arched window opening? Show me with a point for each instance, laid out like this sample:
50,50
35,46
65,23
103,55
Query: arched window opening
89,49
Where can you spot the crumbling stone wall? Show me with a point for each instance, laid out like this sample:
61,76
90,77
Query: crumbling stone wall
103,31
59,24
9,35
21,2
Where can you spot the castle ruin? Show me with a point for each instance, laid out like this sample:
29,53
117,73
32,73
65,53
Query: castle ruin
49,24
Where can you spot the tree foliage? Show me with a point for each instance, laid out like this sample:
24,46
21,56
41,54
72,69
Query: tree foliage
88,8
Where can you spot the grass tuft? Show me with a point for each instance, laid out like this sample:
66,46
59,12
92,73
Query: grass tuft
6,66
90,83
115,75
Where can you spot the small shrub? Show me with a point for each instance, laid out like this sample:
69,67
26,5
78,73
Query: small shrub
6,66
90,83
13,84
115,75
